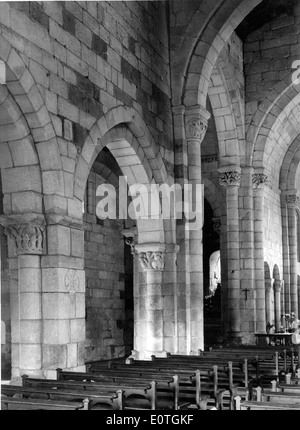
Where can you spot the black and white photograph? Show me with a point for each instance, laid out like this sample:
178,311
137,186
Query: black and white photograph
150,208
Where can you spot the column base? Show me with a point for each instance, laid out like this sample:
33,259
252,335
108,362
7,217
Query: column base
233,340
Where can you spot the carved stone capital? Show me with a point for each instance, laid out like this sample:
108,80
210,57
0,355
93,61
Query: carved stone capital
152,260
268,284
292,201
27,239
196,120
230,176
259,180
277,286
151,256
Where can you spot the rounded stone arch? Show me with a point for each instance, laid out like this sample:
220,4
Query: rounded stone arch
222,110
126,135
267,270
283,94
276,273
277,134
211,39
290,170
37,141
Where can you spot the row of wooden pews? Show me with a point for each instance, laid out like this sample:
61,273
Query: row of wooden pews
215,379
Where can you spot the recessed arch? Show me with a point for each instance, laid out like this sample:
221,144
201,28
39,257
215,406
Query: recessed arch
127,137
276,273
36,137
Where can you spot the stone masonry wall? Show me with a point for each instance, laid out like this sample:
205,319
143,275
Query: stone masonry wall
105,282
269,53
88,57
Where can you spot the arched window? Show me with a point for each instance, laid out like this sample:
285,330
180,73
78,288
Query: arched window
214,271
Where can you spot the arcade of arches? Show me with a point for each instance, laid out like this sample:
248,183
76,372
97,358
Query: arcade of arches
160,92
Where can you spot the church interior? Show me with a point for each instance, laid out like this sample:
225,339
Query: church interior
196,282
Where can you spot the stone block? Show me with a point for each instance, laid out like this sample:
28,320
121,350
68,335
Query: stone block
23,152
54,356
58,306
53,280
72,355
59,86
58,240
30,356
56,332
83,33
75,208
77,243
53,10
55,204
80,305
53,182
30,280
38,35
5,156
31,332
77,330
30,306
21,179
26,202
49,154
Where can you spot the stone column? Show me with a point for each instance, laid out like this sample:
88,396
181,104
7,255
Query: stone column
149,323
63,299
277,292
130,235
28,240
285,255
196,122
230,178
246,238
259,180
293,202
269,301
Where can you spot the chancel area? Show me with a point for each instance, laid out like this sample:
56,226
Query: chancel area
150,204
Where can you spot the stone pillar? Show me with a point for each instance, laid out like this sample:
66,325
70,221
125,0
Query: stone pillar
27,241
293,202
277,292
259,181
171,303
196,122
269,301
130,235
63,301
149,323
285,257
246,238
230,178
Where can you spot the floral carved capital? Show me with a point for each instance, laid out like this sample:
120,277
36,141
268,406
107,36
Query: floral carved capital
27,239
293,201
152,260
197,128
259,179
230,178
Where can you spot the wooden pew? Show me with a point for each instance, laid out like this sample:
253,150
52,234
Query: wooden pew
232,376
171,390
14,403
109,399
263,405
139,389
